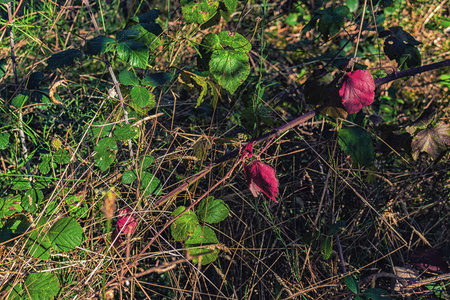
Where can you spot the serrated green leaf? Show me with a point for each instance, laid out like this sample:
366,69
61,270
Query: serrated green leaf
235,41
63,58
125,132
100,130
140,96
127,34
106,153
40,286
4,140
150,185
21,184
31,199
98,45
210,42
44,165
10,205
230,68
61,156
149,16
156,79
146,162
127,77
153,28
198,11
326,248
129,177
203,236
65,234
135,53
357,143
352,285
212,210
184,225
19,100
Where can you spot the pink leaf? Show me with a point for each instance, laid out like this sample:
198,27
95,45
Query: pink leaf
126,223
248,150
262,177
357,90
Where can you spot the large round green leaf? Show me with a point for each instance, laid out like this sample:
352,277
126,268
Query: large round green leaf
65,234
230,68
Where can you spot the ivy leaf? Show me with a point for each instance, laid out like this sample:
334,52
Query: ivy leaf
357,90
212,210
198,11
184,225
262,177
65,234
357,143
202,237
98,45
63,58
230,68
135,52
431,140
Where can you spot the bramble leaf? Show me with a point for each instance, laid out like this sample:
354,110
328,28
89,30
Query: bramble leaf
212,210
198,11
127,77
140,95
106,152
431,140
356,142
63,58
230,68
184,225
65,234
262,177
202,237
357,90
98,45
136,52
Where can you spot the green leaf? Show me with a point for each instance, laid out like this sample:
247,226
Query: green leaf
34,80
4,140
228,9
63,58
101,130
127,34
61,156
65,234
125,132
129,177
106,153
41,286
230,68
376,294
149,16
332,20
21,184
44,165
431,140
356,142
135,53
19,100
127,77
352,285
150,185
77,208
184,225
140,95
31,199
210,42
156,79
10,205
212,210
198,11
203,236
18,224
146,162
326,248
38,243
234,40
153,28
353,5
98,45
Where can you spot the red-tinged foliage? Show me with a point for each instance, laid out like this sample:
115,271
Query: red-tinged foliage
248,151
357,90
126,222
262,177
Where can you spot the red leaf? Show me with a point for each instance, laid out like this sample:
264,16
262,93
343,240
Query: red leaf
262,177
248,150
357,90
126,223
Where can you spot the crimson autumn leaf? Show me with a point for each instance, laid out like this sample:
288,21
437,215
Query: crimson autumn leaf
262,177
126,223
357,90
431,140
